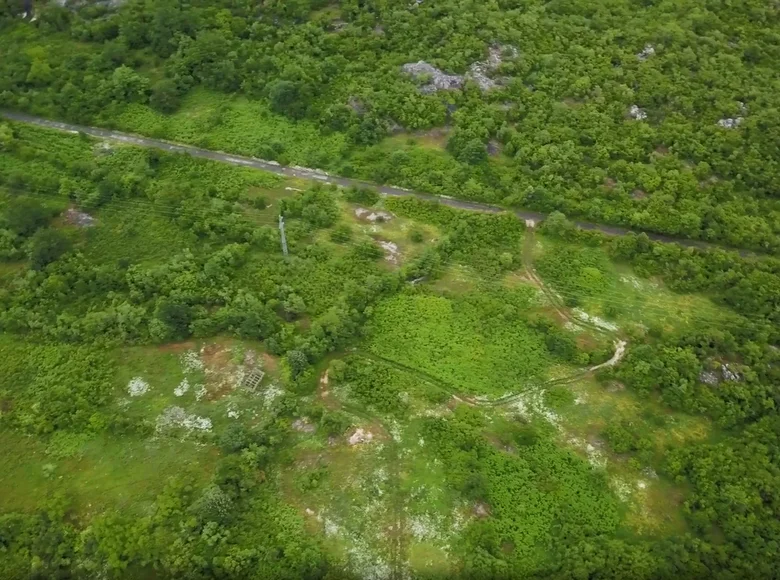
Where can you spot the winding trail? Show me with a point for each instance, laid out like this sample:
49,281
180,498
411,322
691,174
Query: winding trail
324,177
398,540
621,345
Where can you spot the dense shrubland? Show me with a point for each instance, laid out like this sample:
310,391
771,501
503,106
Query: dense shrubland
186,249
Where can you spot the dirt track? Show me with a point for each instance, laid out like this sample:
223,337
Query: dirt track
319,175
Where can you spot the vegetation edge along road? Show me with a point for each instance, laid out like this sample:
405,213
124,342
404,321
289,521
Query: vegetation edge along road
324,177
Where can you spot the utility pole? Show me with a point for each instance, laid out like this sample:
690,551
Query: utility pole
284,237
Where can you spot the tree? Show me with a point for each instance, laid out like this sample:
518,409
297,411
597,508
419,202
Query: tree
298,362
127,86
285,98
165,96
213,505
25,216
176,317
46,246
6,136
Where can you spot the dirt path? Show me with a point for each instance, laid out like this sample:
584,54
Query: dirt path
398,543
319,175
621,345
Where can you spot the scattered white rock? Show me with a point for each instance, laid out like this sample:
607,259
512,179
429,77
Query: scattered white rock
425,527
637,113
649,473
478,72
710,378
360,436
271,393
632,281
79,218
200,392
437,79
137,387
392,253
177,418
724,373
729,374
731,122
191,362
531,403
232,411
182,388
303,425
596,456
332,528
647,52
622,488
600,322
734,122
373,216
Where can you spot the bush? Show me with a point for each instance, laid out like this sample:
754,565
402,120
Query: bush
341,234
47,246
25,216
361,195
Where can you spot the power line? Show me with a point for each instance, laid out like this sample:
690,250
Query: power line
153,207
612,297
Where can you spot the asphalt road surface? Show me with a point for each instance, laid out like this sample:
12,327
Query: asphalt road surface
316,174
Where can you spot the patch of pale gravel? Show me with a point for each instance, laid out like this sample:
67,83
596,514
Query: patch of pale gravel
177,418
303,425
426,527
592,319
622,488
596,457
360,436
191,362
395,431
531,404
271,393
647,52
200,392
137,387
392,253
364,561
637,113
182,388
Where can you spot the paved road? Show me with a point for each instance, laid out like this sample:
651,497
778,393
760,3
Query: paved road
306,173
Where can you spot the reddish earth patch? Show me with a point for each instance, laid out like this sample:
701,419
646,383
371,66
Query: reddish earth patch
215,356
481,510
609,183
638,194
325,396
220,370
177,347
270,363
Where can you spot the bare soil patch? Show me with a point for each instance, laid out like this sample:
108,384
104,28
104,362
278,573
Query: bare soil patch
177,347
